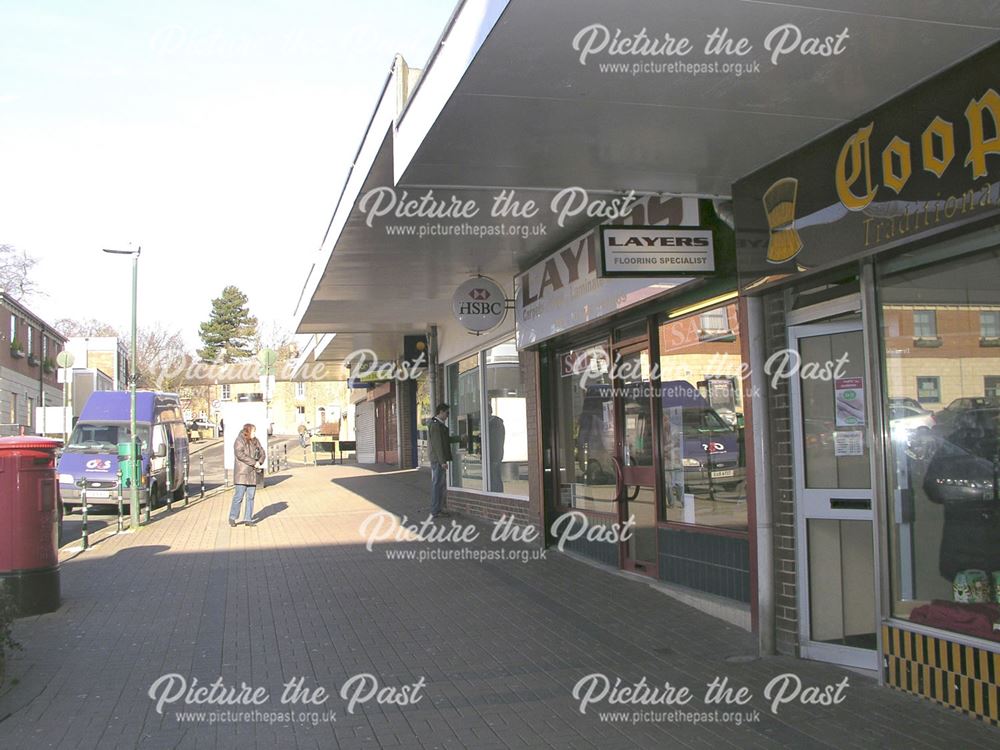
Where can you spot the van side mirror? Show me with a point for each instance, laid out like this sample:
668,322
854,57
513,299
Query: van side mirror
161,450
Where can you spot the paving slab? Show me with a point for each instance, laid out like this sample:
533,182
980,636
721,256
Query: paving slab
413,643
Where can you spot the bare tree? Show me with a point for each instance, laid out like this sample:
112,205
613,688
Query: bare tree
275,337
71,328
15,273
162,360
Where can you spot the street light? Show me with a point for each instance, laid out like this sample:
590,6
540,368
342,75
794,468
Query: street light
133,453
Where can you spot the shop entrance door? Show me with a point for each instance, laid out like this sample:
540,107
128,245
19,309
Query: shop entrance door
634,435
385,431
833,495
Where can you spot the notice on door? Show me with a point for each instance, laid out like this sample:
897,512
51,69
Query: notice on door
849,443
849,395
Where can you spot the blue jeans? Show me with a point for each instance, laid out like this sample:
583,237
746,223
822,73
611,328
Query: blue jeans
439,485
234,510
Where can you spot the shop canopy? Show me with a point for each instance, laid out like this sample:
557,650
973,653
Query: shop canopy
528,96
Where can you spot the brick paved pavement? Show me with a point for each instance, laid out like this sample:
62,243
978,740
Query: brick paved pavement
499,643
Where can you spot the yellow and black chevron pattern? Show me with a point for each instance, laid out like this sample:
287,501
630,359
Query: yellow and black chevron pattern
962,677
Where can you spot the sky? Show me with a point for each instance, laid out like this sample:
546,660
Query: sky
216,136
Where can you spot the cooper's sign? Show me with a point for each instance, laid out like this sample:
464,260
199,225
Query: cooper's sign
883,180
656,251
479,304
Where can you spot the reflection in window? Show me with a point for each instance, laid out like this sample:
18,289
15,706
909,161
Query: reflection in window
585,430
507,422
702,431
989,324
924,324
945,508
464,423
928,390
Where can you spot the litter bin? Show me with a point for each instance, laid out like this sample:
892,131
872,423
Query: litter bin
29,523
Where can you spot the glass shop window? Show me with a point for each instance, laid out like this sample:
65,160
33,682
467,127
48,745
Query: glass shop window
464,389
506,422
585,429
944,514
704,464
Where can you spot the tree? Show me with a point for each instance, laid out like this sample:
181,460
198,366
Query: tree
15,273
162,362
88,327
229,333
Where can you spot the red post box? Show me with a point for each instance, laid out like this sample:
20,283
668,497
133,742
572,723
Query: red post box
29,523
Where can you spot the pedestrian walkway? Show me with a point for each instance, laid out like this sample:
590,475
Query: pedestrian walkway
485,653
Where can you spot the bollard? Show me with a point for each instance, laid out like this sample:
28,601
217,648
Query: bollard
120,515
315,462
84,539
149,502
285,449
187,481
305,455
169,480
202,462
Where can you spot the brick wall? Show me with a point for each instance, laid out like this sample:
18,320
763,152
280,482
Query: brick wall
782,484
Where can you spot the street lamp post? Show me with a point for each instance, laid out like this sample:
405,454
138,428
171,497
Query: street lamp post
132,379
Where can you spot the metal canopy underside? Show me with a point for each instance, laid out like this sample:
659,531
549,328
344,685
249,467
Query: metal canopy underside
526,114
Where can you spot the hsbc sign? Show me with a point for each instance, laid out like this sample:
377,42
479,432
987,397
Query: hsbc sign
479,304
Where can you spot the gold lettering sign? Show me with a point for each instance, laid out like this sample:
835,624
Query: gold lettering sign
858,149
976,113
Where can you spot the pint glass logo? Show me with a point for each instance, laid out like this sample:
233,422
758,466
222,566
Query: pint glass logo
779,206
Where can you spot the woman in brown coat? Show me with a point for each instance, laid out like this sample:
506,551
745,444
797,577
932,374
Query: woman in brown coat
248,473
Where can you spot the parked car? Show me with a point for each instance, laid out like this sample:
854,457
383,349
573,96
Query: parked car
905,420
910,402
985,410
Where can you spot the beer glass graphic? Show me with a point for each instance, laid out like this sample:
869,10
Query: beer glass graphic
779,206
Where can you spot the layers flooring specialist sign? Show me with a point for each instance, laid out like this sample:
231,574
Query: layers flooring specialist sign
564,291
656,251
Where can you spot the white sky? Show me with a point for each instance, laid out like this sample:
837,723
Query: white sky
216,135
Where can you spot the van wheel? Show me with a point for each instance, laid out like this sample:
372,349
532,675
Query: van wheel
181,491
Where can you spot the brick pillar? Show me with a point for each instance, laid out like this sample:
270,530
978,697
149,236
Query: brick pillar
782,482
406,416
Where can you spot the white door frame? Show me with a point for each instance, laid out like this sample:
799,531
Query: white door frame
815,504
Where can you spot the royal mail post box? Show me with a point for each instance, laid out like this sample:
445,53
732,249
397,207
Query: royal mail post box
29,523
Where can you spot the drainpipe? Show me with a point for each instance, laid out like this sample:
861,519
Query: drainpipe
762,478
432,367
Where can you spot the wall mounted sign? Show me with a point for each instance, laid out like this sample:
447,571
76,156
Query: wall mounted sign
656,251
479,304
924,162
565,291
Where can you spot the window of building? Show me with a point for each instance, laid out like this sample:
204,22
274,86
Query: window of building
225,391
702,441
31,341
506,430
13,328
30,418
464,394
12,415
943,495
300,390
45,347
989,324
585,429
928,389
924,324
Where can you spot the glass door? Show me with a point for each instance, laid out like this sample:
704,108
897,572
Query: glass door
633,389
833,495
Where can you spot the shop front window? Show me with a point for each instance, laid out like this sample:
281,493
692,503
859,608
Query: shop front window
585,430
944,452
704,464
506,422
464,388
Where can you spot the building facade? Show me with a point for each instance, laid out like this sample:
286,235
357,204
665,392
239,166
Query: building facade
27,367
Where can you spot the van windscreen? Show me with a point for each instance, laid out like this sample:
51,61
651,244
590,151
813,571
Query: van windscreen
103,437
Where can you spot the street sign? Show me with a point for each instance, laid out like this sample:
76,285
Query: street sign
64,359
64,375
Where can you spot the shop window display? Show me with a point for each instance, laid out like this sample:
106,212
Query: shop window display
507,422
704,461
944,501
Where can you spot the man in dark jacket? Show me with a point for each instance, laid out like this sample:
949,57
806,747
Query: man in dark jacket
439,449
